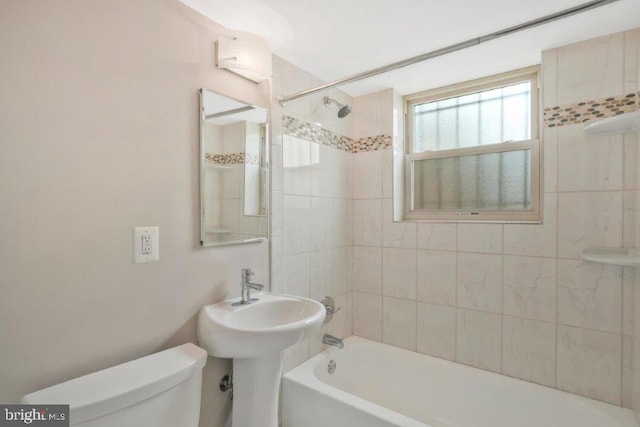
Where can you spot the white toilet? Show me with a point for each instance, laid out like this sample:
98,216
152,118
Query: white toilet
159,390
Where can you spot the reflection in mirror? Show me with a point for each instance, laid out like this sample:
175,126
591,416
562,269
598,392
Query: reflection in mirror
233,170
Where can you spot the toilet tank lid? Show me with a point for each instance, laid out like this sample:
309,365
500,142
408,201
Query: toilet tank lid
118,387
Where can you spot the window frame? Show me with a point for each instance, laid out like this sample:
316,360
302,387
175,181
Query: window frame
534,215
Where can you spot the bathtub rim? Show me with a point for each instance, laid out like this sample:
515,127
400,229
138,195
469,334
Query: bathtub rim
304,375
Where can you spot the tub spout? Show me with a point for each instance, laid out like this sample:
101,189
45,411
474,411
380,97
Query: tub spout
331,340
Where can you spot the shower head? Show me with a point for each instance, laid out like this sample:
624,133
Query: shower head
343,111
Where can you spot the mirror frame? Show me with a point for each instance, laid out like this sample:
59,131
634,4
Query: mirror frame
267,152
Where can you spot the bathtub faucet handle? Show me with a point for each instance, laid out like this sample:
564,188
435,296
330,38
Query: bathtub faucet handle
330,307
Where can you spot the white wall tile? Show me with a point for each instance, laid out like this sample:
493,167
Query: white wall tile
479,282
374,114
590,219
534,239
486,238
436,330
550,160
367,222
630,161
296,274
343,175
367,175
277,269
341,266
367,269
479,340
635,379
590,295
341,222
589,363
295,355
399,322
399,273
320,224
628,284
315,339
276,168
591,70
549,78
339,323
367,316
627,372
631,60
296,167
387,173
438,236
320,274
322,172
588,163
396,234
276,213
637,223
436,277
529,350
530,287
629,219
296,231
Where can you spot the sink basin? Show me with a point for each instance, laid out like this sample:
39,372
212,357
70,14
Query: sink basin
262,328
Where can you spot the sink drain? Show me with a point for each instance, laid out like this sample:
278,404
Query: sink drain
332,366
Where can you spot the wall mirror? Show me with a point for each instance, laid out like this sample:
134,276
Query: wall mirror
234,159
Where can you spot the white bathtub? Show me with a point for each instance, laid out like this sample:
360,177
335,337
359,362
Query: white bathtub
376,385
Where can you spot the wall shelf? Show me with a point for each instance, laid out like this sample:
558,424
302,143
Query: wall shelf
219,168
626,257
219,230
623,123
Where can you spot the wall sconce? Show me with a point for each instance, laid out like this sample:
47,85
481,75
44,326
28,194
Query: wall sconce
244,54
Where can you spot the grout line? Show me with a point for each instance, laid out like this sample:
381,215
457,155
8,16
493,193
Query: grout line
557,233
502,340
455,329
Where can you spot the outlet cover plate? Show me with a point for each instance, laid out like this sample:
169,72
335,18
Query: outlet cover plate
150,236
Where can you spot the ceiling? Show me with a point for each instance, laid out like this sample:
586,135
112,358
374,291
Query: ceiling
333,39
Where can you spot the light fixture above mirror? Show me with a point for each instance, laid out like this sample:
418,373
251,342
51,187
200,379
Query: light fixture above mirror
244,54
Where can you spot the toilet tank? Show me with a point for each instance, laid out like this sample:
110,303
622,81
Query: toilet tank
159,390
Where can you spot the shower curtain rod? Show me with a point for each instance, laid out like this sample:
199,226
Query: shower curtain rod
449,49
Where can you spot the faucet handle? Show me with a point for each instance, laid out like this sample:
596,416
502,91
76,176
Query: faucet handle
330,307
246,273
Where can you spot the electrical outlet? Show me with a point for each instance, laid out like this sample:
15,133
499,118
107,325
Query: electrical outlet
145,244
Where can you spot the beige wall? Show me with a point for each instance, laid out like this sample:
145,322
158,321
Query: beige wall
518,299
98,134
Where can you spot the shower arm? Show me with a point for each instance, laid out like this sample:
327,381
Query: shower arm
282,100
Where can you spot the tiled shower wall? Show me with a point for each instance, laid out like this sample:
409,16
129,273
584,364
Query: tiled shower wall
514,299
517,299
311,200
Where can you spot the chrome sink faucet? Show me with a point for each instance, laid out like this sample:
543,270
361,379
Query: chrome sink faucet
246,286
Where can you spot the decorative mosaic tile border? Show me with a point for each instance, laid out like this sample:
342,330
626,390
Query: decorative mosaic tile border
315,133
225,159
372,143
581,112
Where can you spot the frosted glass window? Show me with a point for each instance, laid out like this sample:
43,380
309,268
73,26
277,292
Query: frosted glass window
474,183
486,117
472,151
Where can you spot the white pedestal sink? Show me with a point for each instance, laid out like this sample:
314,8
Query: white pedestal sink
255,335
